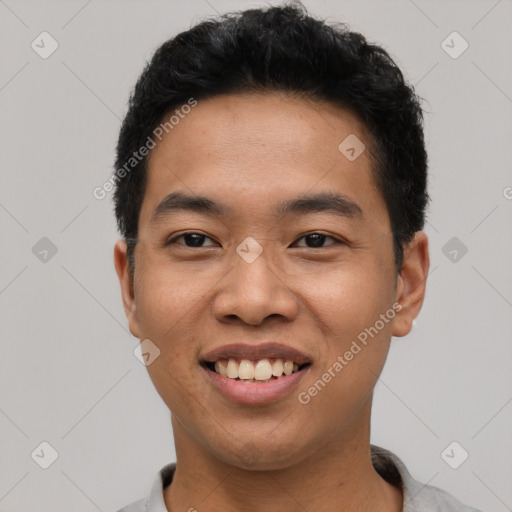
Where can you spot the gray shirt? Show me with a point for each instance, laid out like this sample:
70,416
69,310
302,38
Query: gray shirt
417,497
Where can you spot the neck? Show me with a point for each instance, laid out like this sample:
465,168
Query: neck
340,472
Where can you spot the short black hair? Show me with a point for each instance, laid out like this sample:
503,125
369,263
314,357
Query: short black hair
282,48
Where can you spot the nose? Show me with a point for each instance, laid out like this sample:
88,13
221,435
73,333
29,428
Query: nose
252,292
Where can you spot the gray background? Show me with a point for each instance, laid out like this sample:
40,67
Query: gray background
68,375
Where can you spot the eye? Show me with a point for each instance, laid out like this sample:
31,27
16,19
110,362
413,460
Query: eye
191,238
316,240
195,240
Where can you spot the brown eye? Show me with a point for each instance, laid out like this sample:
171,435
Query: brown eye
192,239
316,240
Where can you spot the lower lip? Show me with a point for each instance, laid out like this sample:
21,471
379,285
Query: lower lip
253,393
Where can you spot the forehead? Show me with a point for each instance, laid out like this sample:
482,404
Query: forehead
285,125
256,148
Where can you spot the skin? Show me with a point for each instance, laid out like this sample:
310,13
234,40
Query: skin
251,152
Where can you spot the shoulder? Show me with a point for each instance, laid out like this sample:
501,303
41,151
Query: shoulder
433,498
154,502
417,496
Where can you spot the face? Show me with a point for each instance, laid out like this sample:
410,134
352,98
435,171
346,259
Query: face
288,258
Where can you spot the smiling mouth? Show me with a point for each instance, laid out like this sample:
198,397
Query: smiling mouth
257,371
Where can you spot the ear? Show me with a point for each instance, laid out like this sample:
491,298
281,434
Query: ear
127,291
411,284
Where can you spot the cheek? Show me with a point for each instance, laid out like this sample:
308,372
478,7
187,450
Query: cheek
347,299
354,311
166,298
165,307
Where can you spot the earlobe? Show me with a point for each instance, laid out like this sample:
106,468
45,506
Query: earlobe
411,283
125,281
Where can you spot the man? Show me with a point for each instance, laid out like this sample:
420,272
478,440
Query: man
271,192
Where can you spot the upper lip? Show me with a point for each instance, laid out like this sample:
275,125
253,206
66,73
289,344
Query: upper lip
255,352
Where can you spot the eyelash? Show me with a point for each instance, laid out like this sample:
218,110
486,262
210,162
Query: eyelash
173,240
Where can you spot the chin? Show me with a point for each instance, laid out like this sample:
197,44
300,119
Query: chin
262,454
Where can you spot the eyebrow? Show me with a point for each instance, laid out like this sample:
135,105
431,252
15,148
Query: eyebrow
331,202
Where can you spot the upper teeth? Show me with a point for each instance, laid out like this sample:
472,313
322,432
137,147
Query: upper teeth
259,370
